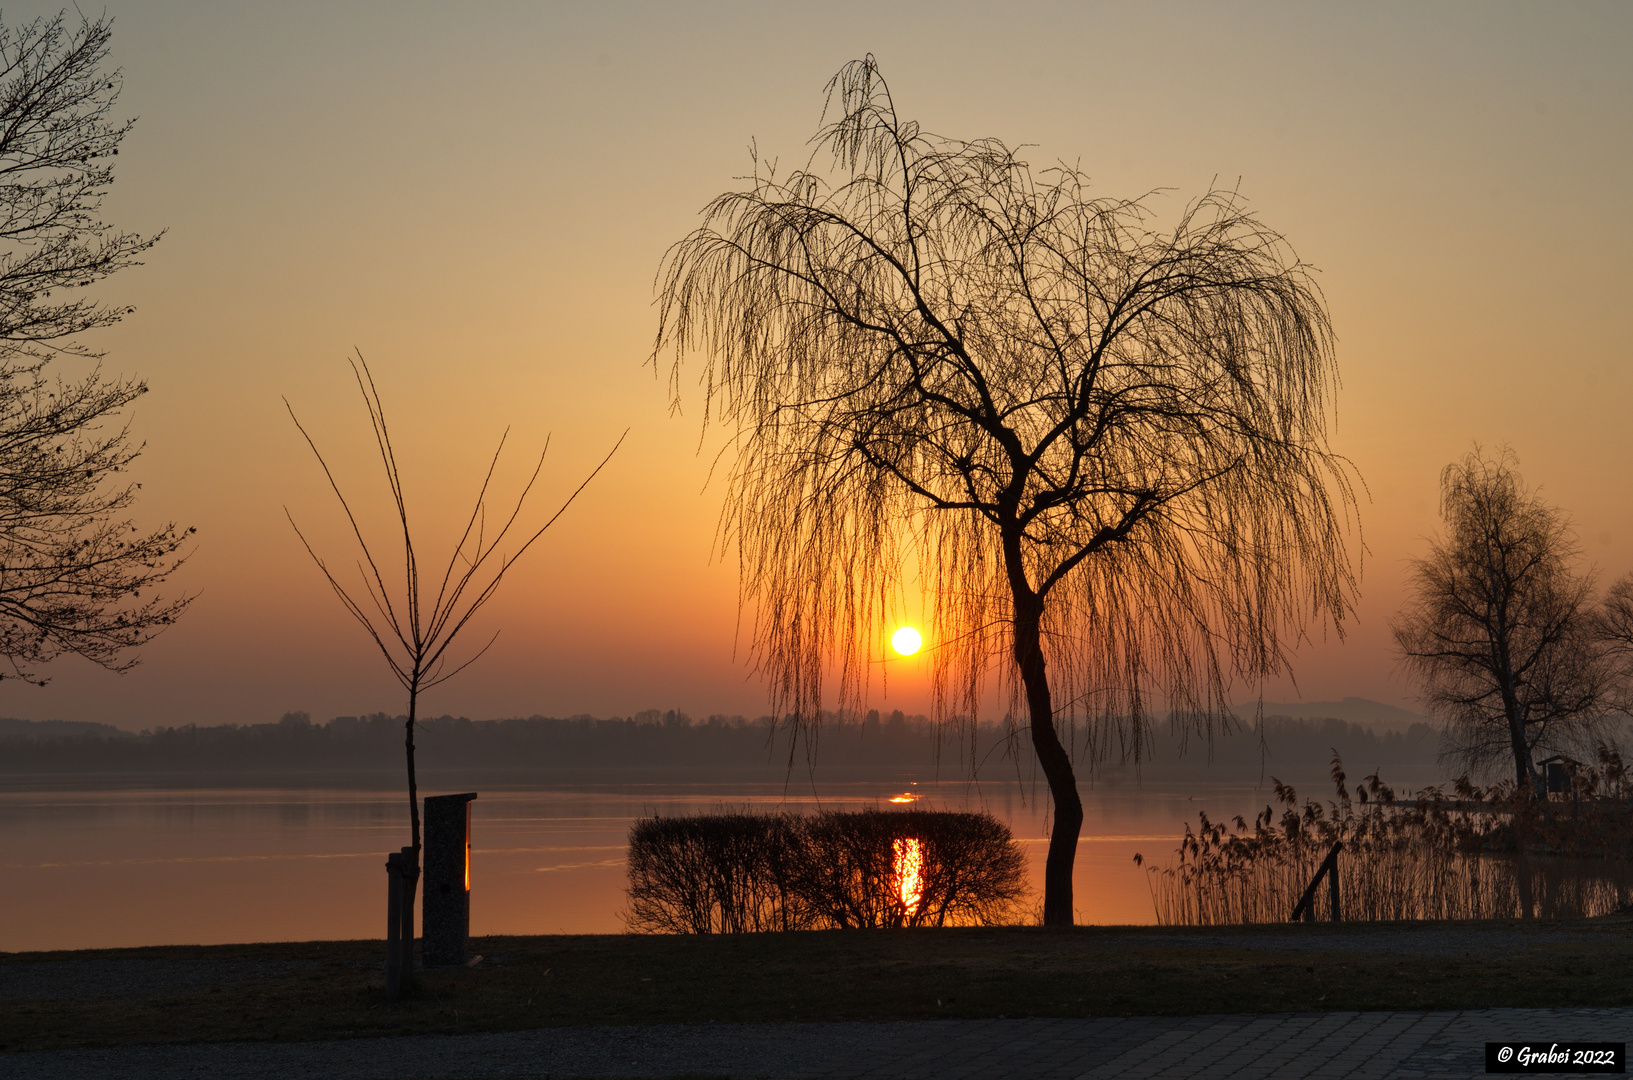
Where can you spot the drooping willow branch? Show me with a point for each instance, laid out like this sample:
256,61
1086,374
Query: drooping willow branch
1097,450
929,351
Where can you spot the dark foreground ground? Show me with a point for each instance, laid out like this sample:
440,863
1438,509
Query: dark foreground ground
1229,1046
296,992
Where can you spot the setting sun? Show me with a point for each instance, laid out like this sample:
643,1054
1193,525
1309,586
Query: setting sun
906,641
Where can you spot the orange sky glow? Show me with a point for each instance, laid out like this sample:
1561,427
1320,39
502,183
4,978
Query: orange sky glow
478,201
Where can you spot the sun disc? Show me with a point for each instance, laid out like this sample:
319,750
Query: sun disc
906,641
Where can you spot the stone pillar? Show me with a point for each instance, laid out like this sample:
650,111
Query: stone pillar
446,873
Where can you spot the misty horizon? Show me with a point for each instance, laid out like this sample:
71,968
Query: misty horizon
674,745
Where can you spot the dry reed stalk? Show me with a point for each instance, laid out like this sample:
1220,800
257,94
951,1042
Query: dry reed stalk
1471,854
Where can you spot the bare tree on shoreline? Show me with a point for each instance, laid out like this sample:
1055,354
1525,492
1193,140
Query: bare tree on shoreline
1614,629
1102,450
415,638
1501,634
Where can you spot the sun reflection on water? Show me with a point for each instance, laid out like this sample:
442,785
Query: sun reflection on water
909,873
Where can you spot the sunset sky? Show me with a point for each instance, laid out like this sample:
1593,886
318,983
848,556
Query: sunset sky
478,199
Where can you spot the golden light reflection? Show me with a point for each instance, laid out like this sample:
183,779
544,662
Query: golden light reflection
904,797
909,873
906,641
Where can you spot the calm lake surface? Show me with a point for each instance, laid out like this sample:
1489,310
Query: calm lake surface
111,868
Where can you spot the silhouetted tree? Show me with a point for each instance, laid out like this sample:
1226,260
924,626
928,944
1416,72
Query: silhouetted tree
1614,630
77,578
412,627
1099,450
1498,630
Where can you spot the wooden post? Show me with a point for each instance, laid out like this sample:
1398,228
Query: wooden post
1305,908
394,920
410,875
1332,879
401,877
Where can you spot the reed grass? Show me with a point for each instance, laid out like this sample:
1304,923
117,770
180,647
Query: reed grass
1470,853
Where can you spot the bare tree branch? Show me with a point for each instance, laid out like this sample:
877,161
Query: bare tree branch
411,634
75,576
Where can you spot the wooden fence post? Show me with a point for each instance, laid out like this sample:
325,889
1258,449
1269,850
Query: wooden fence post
1305,908
402,875
394,919
1332,879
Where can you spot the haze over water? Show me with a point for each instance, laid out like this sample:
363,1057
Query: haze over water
96,868
279,832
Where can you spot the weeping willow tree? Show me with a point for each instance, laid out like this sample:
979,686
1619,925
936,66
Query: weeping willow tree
1100,451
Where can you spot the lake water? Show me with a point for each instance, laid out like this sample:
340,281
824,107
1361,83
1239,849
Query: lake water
114,868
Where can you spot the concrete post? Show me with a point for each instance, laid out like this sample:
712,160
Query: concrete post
447,877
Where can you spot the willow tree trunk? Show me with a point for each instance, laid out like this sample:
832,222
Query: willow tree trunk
1056,763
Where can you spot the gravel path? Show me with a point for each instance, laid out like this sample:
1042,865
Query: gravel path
1431,1045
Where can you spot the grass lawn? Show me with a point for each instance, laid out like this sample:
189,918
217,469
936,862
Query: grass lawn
318,990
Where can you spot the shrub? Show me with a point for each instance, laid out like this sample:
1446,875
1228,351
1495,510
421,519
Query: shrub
743,872
722,873
971,870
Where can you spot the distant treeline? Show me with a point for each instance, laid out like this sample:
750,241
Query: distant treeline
672,743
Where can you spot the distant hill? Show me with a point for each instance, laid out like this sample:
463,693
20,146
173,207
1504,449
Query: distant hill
40,730
349,750
1374,715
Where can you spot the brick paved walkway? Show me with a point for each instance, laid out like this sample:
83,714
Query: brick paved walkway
1326,1045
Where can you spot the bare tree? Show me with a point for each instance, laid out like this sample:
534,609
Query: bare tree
1498,630
75,577
1099,450
412,627
1614,631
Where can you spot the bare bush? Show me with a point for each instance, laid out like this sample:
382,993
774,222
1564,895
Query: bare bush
743,872
721,873
970,870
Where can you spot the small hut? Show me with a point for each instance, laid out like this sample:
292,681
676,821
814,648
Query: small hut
1559,774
